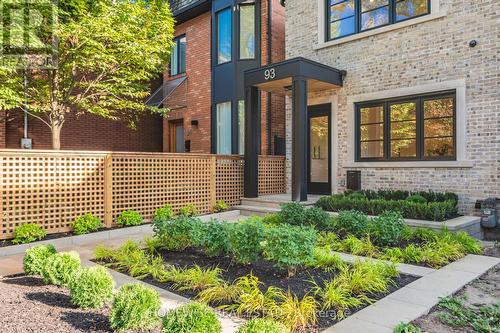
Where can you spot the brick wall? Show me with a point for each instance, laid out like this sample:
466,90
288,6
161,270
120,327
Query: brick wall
425,53
88,132
191,100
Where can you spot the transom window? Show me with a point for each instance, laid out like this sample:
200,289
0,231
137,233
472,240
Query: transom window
347,17
413,128
178,56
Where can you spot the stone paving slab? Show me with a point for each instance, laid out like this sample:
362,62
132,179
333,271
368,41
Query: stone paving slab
417,298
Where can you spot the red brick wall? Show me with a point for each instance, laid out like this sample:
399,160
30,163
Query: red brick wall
191,101
88,132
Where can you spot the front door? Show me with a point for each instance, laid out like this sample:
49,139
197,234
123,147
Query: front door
319,152
177,136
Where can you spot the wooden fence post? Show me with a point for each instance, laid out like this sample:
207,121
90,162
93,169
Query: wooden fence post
108,191
213,181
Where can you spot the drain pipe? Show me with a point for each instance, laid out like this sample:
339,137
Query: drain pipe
269,61
25,141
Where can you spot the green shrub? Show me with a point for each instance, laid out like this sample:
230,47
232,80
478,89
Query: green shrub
35,258
245,240
356,246
188,210
317,217
86,223
135,306
220,206
164,212
407,328
272,219
129,218
387,229
356,195
417,198
179,233
213,238
60,268
289,246
262,325
91,287
293,213
27,233
191,318
352,222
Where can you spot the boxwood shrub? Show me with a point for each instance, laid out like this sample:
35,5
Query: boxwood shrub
296,214
245,240
27,233
135,306
212,237
35,258
177,234
86,223
261,325
129,218
91,287
191,318
387,229
376,204
60,268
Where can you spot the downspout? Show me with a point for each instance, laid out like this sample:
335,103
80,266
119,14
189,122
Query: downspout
269,61
25,105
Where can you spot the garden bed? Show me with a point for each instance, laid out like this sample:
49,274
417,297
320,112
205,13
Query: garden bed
28,305
269,275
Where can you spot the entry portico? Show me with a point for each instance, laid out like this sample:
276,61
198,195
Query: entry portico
300,76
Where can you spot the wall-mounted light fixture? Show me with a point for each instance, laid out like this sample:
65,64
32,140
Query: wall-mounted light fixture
473,43
194,123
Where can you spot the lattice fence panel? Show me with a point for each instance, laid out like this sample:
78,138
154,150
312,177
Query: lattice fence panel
49,189
146,182
229,179
271,175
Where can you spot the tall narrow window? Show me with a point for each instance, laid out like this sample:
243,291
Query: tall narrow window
439,127
224,36
178,56
224,128
247,31
403,118
241,127
371,132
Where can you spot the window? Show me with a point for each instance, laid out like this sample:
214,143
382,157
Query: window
414,128
247,31
241,127
178,56
347,17
224,37
224,128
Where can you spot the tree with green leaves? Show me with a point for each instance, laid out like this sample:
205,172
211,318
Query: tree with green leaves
105,54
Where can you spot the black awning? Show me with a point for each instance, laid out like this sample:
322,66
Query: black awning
166,89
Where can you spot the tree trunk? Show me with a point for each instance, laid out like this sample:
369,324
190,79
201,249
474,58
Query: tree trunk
56,137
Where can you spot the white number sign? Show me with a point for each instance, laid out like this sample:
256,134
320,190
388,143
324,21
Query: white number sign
270,74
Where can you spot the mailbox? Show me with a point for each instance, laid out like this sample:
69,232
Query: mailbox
489,218
353,180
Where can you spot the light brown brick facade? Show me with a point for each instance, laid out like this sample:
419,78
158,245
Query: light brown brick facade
432,53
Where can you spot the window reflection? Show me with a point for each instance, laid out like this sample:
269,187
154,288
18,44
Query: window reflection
247,31
224,37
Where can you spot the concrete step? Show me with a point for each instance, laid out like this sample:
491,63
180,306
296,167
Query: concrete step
271,202
256,210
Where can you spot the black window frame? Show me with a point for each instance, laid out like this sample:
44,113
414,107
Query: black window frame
240,5
420,135
231,19
357,17
179,57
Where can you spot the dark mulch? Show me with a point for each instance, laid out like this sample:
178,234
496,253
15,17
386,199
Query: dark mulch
27,305
301,284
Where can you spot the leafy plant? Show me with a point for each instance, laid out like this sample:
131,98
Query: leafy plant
91,287
60,267
251,299
27,233
272,219
192,318
337,295
220,206
407,328
245,240
177,234
135,306
360,247
196,278
293,213
387,229
221,294
325,259
189,210
297,314
368,277
482,319
129,218
86,223
409,254
289,246
262,325
35,258
416,198
164,212
352,222
317,217
213,238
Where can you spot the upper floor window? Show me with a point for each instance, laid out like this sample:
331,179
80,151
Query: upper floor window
178,56
247,31
413,128
224,36
347,17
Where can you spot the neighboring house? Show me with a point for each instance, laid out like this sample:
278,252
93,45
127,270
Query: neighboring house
417,108
216,41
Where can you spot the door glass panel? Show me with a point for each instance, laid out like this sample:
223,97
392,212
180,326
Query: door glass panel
319,149
179,139
224,128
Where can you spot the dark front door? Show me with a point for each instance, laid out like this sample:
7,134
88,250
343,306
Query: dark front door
319,152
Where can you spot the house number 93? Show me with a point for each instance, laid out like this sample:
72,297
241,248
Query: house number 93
270,74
